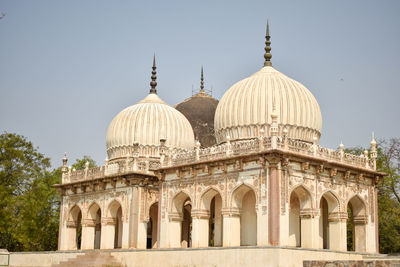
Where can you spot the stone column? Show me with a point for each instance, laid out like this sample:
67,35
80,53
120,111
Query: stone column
200,231
142,235
175,230
376,220
231,228
71,236
337,231
107,232
309,225
218,223
360,234
262,227
273,207
125,232
88,232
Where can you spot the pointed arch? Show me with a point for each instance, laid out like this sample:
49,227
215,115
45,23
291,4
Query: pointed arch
92,210
358,205
332,199
113,207
304,196
179,200
207,195
238,192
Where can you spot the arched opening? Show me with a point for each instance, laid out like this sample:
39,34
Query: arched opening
115,210
211,202
94,232
186,237
244,200
74,228
323,223
356,225
300,218
152,226
181,223
329,228
294,222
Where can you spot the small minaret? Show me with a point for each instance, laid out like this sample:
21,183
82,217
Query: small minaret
374,152
267,48
274,130
153,82
64,168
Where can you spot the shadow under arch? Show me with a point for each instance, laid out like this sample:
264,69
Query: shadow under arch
243,203
356,223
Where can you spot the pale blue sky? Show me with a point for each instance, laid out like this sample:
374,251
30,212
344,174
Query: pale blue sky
68,67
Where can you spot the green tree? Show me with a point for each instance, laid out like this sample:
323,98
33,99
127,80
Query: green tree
20,165
80,164
29,206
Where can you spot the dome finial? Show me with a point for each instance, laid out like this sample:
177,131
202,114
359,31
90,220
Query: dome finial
153,82
202,80
267,48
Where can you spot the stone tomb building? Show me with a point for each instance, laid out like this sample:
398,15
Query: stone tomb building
259,179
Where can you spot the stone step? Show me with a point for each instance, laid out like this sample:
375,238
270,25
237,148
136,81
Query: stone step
92,259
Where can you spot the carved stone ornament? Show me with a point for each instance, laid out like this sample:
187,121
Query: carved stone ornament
346,175
305,166
333,172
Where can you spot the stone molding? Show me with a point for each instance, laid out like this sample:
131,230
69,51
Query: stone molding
108,221
337,217
88,223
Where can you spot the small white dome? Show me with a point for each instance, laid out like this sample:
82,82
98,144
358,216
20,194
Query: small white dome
246,108
139,128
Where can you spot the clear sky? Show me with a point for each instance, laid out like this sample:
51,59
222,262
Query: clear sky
68,67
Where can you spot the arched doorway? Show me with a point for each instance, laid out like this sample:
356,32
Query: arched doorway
74,228
300,216
152,226
356,225
181,221
330,233
93,227
244,201
115,211
211,203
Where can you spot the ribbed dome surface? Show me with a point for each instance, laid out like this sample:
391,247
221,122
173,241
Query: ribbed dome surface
146,123
247,106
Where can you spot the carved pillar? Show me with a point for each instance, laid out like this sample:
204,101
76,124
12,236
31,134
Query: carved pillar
200,231
273,197
360,233
107,232
71,235
61,228
337,231
88,233
309,225
174,230
125,232
142,235
376,220
231,228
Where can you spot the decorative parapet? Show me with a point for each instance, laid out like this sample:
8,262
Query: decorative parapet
116,168
265,144
170,158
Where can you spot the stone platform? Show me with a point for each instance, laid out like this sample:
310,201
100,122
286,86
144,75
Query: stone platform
233,256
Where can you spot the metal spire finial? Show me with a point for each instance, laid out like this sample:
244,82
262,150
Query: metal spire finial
153,82
267,48
202,80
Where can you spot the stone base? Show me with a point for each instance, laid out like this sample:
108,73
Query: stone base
232,256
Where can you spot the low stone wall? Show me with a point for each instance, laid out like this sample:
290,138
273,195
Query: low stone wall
236,256
363,263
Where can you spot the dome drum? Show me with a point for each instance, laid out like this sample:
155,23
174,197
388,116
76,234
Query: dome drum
253,131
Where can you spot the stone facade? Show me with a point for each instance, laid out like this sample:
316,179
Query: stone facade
266,191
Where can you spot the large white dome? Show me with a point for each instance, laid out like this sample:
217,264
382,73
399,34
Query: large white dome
247,106
139,128
145,124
